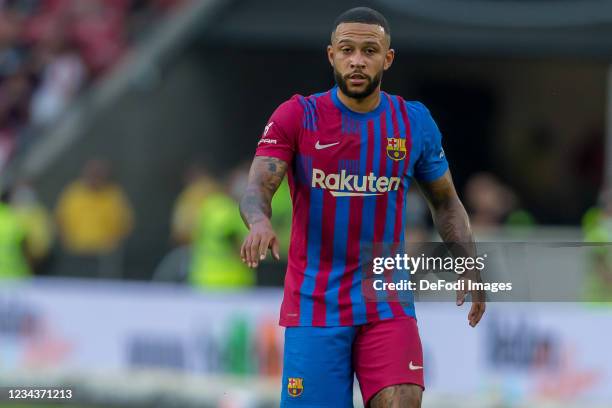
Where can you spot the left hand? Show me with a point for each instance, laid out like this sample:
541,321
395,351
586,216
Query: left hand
478,301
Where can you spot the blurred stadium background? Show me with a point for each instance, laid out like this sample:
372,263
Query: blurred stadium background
125,126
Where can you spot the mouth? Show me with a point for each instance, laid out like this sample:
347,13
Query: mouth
357,79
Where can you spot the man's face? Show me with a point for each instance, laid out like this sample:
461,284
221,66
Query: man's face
359,53
96,173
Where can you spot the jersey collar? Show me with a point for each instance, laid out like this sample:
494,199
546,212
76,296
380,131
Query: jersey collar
357,115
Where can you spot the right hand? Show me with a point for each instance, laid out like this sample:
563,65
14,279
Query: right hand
255,246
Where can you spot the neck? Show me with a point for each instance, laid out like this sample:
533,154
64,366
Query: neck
365,105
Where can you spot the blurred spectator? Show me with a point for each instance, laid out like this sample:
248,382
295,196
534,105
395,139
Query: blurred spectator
14,111
175,266
98,27
597,228
12,52
94,217
218,236
35,220
62,74
486,201
49,49
491,204
7,144
237,180
282,216
13,253
186,219
198,185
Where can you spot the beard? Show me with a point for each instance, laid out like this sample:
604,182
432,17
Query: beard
372,84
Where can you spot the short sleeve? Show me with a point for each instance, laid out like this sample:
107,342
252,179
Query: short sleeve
431,163
279,137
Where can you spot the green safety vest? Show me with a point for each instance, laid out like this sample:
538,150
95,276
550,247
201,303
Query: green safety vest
216,259
282,210
12,235
597,229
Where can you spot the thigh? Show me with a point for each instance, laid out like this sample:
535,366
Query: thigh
317,367
388,353
401,396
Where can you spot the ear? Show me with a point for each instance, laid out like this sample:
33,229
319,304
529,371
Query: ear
330,55
389,58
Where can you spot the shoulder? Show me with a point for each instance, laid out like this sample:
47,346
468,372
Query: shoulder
293,111
304,103
417,109
295,102
420,117
289,110
73,189
300,103
113,190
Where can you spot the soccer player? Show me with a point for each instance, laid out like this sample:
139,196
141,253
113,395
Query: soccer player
350,154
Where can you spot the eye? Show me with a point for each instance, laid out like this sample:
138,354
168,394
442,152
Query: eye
345,50
370,51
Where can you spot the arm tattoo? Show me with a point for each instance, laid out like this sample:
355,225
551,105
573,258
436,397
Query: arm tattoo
264,178
449,215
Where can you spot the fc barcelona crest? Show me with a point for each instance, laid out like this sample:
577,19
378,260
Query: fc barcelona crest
396,148
295,386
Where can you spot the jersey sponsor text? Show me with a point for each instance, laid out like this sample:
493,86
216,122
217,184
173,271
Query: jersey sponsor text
343,184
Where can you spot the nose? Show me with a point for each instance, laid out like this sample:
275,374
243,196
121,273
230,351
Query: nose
357,61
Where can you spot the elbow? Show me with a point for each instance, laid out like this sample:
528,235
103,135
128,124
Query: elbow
450,204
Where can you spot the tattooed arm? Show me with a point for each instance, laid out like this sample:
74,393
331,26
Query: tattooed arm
449,216
453,225
256,209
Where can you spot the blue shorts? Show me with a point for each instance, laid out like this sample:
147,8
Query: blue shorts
320,362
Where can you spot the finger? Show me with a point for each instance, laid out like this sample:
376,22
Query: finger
472,314
476,313
244,249
461,294
263,247
475,310
247,250
275,249
481,311
254,251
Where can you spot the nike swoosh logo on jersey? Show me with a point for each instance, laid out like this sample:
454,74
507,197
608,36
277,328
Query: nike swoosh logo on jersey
320,146
414,367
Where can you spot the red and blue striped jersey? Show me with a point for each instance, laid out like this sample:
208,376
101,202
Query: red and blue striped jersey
348,174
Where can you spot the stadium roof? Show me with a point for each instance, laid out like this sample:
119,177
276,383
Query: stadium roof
502,27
